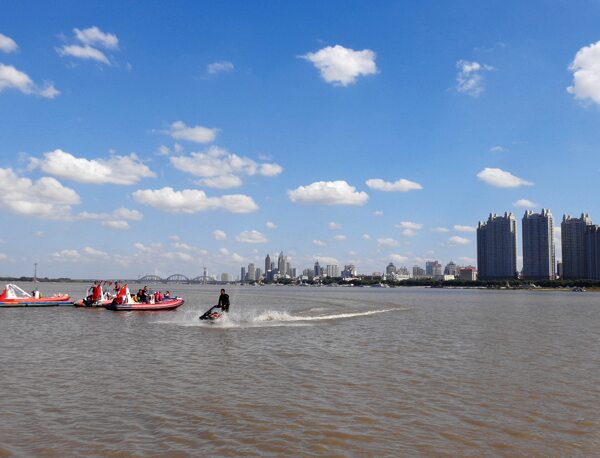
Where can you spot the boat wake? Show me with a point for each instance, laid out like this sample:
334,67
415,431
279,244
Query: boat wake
262,318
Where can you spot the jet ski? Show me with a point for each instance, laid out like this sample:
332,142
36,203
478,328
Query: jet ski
210,314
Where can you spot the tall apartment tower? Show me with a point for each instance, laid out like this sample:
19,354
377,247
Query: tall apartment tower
592,248
574,253
267,263
497,247
251,273
281,264
539,261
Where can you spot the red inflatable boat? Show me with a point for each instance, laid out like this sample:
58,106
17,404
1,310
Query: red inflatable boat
13,296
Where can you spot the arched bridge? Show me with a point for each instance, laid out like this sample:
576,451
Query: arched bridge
178,278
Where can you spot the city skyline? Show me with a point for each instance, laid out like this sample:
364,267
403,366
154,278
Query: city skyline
237,131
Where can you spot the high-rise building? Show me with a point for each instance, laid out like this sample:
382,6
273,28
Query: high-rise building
281,261
403,270
592,246
267,263
349,271
251,274
574,253
332,270
418,272
452,269
433,269
497,247
390,269
317,270
539,261
224,277
468,273
243,274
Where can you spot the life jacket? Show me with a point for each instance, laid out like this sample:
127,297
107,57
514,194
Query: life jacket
122,295
97,293
3,295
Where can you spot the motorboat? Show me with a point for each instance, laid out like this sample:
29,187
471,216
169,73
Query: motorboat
13,296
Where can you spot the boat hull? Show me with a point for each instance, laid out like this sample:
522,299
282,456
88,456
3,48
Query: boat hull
167,304
52,301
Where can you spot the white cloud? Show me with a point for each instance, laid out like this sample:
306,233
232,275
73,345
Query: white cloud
441,230
410,225
39,234
328,193
11,78
342,66
387,242
456,240
470,77
83,52
251,237
339,237
222,66
366,237
218,234
125,213
3,257
319,242
164,150
334,226
93,36
377,213
193,201
7,44
93,252
498,149
525,203
409,232
122,170
221,182
402,185
271,225
174,238
398,258
461,228
220,168
501,179
116,224
66,255
197,134
43,198
586,73
326,260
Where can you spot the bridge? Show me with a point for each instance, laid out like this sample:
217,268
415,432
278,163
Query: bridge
180,278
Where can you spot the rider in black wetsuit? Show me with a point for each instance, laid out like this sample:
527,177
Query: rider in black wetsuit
224,301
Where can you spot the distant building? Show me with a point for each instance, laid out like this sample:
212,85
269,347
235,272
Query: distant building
390,269
592,245
317,270
281,264
418,272
243,274
497,247
403,271
539,261
451,269
349,271
433,269
251,274
559,267
332,270
468,273
258,274
267,263
224,277
574,253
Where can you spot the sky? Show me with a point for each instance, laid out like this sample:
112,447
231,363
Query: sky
164,137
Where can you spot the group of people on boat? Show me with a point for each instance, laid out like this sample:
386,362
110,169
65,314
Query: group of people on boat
121,294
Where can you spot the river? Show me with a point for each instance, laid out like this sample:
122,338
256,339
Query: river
299,371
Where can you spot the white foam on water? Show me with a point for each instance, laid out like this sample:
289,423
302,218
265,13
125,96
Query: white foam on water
260,318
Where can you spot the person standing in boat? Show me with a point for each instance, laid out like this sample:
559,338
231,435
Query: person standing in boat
223,301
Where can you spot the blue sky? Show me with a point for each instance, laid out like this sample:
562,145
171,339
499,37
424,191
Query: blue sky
345,131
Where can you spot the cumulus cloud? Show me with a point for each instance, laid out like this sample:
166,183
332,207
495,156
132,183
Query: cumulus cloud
89,40
319,242
342,66
193,201
440,230
387,242
271,225
222,66
501,179
498,149
366,237
456,240
525,203
251,237
410,225
116,224
328,193
470,77
334,226
66,255
339,237
93,252
586,73
7,44
221,169
164,150
11,78
398,258
461,228
218,234
402,185
44,198
122,170
377,213
93,36
197,134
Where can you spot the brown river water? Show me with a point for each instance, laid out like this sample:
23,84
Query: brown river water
295,371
